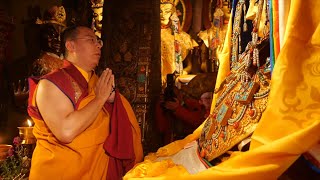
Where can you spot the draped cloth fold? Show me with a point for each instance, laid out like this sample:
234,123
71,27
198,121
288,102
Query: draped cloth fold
119,144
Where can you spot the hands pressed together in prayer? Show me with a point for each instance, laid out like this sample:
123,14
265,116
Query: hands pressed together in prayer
105,87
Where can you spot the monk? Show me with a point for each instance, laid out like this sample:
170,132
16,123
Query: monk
84,128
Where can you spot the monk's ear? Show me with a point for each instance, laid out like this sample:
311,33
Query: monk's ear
70,46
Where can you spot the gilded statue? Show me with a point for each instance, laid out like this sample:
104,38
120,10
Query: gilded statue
175,44
214,36
51,28
97,7
253,11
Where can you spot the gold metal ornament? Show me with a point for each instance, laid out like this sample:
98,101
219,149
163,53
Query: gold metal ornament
55,15
173,2
97,3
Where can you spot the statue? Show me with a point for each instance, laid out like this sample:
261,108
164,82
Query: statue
97,7
242,98
214,36
175,44
51,28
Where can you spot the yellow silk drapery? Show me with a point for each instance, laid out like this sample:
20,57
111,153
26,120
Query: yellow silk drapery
291,122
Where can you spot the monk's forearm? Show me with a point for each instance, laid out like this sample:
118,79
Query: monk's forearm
77,121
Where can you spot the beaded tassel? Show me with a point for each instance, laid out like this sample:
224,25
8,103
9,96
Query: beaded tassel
256,57
247,60
245,26
240,49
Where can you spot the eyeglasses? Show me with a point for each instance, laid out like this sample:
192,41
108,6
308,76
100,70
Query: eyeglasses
93,40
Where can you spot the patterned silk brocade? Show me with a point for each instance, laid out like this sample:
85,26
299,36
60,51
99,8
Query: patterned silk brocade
75,86
46,64
242,96
233,119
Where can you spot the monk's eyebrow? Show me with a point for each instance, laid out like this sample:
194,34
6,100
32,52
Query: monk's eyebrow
87,36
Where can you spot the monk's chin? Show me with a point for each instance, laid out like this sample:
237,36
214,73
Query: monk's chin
94,65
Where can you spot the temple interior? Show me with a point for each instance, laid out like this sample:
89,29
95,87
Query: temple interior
185,66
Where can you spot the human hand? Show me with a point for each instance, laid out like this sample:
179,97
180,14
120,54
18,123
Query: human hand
104,85
172,105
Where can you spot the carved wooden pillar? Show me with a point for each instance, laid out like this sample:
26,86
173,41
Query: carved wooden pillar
131,34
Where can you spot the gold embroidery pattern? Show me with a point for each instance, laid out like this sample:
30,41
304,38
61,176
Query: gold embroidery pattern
242,100
297,90
219,136
75,86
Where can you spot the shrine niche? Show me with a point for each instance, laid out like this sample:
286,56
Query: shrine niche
189,20
176,43
191,32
